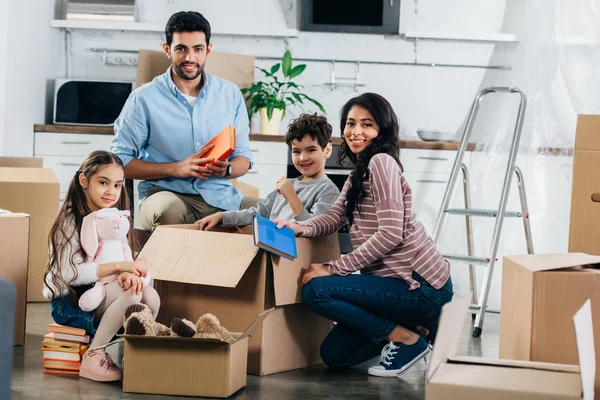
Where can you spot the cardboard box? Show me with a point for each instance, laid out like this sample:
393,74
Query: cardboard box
22,162
540,294
462,377
196,272
236,68
186,366
584,224
34,191
247,190
14,236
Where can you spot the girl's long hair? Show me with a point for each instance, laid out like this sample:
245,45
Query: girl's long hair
73,210
386,142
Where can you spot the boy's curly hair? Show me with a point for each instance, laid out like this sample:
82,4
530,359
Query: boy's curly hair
314,125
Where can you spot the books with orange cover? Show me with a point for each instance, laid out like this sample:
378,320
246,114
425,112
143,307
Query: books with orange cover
63,337
66,329
53,344
224,144
61,354
66,365
60,372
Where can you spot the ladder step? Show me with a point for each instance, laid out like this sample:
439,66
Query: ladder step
474,309
477,212
467,259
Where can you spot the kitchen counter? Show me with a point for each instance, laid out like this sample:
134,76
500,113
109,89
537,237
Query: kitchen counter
108,130
258,137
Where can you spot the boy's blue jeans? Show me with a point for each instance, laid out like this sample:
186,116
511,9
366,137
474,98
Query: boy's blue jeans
367,308
65,313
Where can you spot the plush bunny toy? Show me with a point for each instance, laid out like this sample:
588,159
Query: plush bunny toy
104,238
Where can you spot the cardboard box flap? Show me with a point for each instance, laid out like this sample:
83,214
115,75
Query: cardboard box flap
501,362
452,321
584,334
588,132
27,175
287,274
186,255
548,262
260,318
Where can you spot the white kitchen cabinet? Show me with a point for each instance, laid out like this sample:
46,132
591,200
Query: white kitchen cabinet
270,164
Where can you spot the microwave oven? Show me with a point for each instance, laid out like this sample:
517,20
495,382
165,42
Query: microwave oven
351,16
89,102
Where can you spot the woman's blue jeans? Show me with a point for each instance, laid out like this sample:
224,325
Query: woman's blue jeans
367,308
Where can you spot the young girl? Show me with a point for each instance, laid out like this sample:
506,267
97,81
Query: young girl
403,280
97,184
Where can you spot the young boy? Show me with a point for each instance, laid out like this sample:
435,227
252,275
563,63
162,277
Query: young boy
309,138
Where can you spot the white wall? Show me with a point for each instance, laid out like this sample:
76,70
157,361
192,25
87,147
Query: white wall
3,62
32,52
424,97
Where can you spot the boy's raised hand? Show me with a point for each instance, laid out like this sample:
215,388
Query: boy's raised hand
285,187
207,223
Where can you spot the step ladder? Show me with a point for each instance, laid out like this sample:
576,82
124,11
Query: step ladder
479,301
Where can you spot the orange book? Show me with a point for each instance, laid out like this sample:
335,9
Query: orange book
60,372
64,365
224,144
53,344
66,338
61,355
66,329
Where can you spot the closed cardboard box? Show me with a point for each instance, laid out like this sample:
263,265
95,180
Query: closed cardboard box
186,366
451,377
540,294
236,68
584,224
14,236
197,272
34,191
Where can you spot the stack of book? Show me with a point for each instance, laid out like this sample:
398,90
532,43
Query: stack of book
62,349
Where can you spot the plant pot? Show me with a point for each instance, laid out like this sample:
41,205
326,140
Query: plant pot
270,127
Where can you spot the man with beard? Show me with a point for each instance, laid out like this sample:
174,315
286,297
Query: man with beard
163,128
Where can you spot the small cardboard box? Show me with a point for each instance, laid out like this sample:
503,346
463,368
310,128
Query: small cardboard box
14,236
223,273
462,377
584,224
186,366
540,294
34,191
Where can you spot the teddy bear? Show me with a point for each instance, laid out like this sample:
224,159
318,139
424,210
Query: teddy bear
104,239
138,321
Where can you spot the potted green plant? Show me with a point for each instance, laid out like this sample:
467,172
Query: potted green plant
271,96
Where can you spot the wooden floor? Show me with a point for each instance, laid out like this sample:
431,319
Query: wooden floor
310,383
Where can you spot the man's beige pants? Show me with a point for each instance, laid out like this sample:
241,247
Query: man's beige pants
161,207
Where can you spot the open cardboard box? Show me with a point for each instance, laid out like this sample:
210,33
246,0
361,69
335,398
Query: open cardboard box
223,273
540,294
462,377
186,366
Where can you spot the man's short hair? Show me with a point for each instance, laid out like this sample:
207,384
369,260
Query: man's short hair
314,125
187,21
